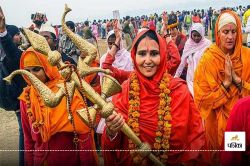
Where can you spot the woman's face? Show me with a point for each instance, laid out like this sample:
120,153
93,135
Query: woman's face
148,57
173,32
111,41
196,37
227,37
38,72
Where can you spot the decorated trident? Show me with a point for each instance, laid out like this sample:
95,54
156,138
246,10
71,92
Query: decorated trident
109,88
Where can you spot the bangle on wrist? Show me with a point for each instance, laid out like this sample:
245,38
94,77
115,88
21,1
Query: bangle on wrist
116,46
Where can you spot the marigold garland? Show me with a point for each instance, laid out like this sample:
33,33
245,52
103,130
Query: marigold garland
163,129
172,25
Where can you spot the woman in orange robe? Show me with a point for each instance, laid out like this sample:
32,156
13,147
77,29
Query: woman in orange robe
221,78
147,96
47,131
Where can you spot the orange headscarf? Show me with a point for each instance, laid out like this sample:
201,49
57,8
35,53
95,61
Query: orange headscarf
50,120
211,99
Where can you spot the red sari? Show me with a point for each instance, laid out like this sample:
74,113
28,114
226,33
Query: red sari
186,132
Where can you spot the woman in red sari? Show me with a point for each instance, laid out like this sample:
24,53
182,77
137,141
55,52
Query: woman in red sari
157,107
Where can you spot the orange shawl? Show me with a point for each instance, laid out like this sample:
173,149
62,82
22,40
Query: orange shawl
52,120
211,99
94,78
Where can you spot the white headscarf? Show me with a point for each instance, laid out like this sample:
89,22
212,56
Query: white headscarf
225,19
122,57
192,53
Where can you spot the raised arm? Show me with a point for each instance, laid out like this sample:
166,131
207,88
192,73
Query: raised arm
10,48
119,75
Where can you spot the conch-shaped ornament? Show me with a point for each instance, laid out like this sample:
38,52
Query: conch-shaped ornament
86,70
85,47
49,98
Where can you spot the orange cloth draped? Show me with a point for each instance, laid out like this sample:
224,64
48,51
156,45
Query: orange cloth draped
145,24
94,79
186,132
55,119
196,19
211,98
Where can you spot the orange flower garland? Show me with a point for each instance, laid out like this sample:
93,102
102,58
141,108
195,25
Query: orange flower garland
163,130
172,25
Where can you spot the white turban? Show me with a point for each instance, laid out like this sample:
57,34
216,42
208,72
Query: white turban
47,28
225,19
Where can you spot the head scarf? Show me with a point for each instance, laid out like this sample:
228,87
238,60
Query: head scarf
50,120
239,40
191,46
122,57
151,84
225,19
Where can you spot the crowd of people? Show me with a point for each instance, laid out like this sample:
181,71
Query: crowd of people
180,91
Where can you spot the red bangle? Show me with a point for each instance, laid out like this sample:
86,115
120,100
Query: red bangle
3,31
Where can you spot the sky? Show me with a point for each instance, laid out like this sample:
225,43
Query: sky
19,12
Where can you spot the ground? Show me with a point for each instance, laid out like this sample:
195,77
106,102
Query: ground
9,126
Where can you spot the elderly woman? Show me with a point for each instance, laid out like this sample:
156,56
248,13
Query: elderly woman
221,78
157,107
193,50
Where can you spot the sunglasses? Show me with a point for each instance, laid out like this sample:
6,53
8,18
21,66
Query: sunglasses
47,37
111,43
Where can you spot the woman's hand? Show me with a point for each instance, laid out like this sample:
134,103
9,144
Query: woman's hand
235,78
117,31
228,72
114,122
118,38
165,18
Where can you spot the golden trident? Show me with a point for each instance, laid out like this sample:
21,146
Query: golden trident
109,88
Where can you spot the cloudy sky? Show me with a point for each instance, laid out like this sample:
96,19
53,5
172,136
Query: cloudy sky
19,12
